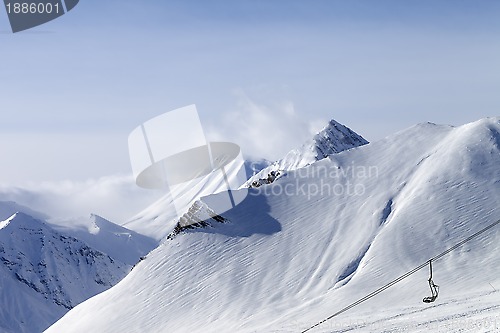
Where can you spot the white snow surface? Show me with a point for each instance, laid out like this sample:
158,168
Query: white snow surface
332,139
300,249
44,273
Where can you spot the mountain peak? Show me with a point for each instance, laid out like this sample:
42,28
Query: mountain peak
332,139
120,243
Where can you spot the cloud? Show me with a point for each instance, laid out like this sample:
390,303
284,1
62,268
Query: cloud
116,198
263,130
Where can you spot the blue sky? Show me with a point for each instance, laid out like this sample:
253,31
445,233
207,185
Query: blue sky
73,89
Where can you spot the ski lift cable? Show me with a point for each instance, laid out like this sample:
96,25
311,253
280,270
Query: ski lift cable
404,276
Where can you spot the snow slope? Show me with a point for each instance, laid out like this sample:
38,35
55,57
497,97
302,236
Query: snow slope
332,139
321,237
157,220
44,273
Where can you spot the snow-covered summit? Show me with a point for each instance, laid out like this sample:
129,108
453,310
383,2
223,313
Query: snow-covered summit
332,139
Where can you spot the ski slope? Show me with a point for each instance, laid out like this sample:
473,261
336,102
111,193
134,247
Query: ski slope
321,237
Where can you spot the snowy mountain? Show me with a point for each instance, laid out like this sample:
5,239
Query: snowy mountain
44,273
119,243
332,139
321,237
